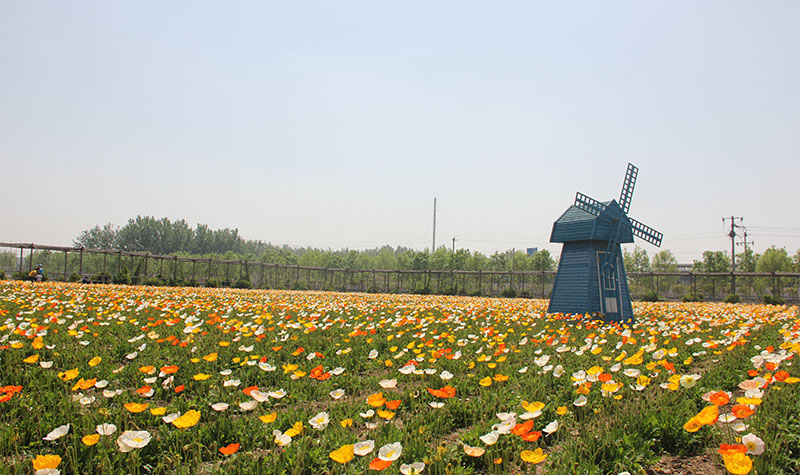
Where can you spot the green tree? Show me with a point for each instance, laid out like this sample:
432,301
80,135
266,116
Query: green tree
713,261
664,261
637,260
98,238
746,261
542,261
775,260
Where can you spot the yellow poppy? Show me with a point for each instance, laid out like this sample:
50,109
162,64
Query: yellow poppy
343,454
136,407
190,419
269,418
533,456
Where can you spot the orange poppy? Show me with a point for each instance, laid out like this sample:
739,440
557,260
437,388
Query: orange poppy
524,428
144,389
393,404
250,389
781,375
719,398
169,369
229,449
179,388
741,411
444,393
532,436
730,449
378,464
376,400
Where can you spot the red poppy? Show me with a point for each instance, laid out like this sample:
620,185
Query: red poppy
180,388
393,404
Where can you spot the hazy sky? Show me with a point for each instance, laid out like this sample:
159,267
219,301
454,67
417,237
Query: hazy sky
334,124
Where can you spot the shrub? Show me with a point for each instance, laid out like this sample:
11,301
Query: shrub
299,286
509,293
475,293
650,297
75,278
122,278
154,282
243,284
773,300
2,274
421,289
211,283
690,297
733,298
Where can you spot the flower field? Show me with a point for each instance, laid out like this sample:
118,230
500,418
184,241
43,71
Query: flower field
123,379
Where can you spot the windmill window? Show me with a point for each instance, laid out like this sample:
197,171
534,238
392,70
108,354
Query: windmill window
607,273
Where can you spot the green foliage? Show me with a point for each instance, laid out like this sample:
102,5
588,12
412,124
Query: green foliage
773,300
212,282
243,284
421,289
298,286
650,297
122,278
733,298
713,261
690,297
637,260
509,293
154,282
774,260
2,274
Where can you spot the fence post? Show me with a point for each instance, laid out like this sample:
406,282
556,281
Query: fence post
20,259
66,276
174,269
80,267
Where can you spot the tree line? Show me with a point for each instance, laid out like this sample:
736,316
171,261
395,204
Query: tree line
166,237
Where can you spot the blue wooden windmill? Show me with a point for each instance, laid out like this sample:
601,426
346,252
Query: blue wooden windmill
591,276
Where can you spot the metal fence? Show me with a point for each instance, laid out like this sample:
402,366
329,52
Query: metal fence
110,265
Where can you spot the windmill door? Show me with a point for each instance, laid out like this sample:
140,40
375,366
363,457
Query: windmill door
609,284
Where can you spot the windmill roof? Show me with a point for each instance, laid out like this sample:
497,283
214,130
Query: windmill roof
579,225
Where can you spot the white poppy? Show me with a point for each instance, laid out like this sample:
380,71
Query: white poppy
106,429
133,439
57,433
363,448
390,452
490,438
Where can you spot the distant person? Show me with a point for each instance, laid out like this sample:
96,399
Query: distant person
86,280
39,273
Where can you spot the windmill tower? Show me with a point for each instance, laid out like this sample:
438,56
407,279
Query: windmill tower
591,276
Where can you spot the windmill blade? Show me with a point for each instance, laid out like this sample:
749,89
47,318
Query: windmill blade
645,232
627,187
590,205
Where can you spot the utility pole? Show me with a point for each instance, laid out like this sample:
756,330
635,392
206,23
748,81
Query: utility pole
433,245
732,235
454,244
745,242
